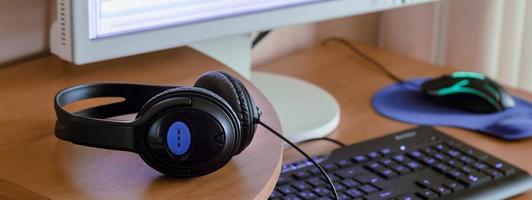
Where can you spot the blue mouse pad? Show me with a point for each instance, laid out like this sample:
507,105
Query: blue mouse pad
406,102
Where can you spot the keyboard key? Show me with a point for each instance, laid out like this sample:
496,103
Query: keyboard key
300,175
374,155
350,172
314,171
344,163
407,197
315,181
301,185
441,147
499,165
400,158
382,195
480,166
428,194
343,196
283,179
453,153
425,183
401,169
466,159
381,184
387,162
455,174
475,179
441,167
330,167
339,186
368,189
441,190
365,178
467,169
322,191
455,163
354,193
455,186
441,157
287,168
374,166
414,165
386,151
495,174
325,198
429,151
275,195
387,173
307,195
291,197
286,190
416,154
360,159
332,177
350,183
428,160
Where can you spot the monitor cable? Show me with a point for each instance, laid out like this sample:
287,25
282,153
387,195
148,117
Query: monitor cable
304,154
259,38
364,56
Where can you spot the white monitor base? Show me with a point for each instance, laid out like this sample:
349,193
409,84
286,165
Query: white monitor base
306,111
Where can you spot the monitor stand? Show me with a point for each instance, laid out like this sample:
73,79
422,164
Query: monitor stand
306,111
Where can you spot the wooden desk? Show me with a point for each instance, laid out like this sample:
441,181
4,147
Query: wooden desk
353,81
34,164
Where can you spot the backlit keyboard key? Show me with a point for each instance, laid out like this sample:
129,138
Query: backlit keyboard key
374,155
382,195
350,172
368,189
428,194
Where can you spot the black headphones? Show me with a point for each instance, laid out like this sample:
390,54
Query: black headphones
179,131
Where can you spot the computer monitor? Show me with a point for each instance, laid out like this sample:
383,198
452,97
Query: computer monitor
94,30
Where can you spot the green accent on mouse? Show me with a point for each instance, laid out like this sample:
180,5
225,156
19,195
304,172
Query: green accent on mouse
459,87
493,90
468,75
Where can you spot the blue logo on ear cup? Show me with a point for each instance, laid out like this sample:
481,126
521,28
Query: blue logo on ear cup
178,138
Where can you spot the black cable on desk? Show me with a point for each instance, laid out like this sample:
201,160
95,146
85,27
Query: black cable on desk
306,156
341,144
364,56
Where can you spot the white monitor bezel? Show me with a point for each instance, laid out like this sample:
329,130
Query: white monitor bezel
81,50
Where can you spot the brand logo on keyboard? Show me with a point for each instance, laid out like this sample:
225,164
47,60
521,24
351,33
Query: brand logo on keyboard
405,135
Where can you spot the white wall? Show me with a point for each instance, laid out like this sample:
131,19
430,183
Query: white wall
363,28
23,29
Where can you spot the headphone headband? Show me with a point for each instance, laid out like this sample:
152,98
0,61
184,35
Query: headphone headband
89,127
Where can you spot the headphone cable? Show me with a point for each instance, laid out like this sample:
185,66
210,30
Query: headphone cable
304,154
341,144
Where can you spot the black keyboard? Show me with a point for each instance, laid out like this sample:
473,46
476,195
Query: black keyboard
420,163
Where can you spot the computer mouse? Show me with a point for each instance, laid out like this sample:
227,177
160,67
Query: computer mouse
471,91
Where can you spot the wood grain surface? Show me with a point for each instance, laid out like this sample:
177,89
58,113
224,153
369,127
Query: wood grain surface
353,81
33,159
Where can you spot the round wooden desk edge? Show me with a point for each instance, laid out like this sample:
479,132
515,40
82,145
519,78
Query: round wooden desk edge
33,158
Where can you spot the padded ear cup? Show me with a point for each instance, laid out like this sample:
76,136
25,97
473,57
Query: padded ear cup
203,101
182,90
234,93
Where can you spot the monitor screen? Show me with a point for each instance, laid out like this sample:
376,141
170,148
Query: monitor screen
116,17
